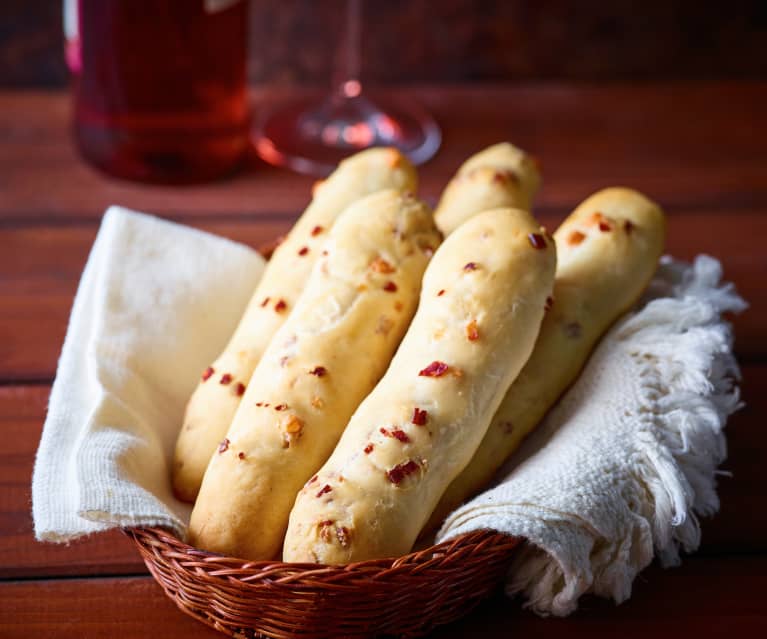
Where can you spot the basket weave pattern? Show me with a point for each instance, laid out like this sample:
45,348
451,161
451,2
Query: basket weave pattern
406,596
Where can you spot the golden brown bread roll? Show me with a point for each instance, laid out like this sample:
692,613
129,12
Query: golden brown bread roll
481,307
500,175
607,252
322,362
212,406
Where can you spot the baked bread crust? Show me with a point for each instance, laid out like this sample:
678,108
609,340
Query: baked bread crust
322,362
212,406
499,176
481,306
607,252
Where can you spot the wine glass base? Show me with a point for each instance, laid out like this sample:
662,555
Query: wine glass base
313,137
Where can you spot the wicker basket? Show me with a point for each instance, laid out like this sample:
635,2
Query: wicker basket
407,596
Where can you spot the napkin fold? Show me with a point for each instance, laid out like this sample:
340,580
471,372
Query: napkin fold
626,462
620,469
156,303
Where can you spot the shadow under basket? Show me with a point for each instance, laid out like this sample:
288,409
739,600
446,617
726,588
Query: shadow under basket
406,596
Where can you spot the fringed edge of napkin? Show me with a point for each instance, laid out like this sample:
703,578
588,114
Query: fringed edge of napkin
687,405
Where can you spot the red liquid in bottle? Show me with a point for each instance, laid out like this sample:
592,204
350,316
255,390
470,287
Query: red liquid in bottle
160,94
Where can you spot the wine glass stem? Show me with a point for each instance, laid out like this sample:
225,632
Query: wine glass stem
346,74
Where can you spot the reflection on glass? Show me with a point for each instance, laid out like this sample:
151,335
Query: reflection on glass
312,137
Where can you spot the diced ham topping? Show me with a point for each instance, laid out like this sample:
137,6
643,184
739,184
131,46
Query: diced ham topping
537,241
472,331
575,238
400,471
435,369
419,416
324,490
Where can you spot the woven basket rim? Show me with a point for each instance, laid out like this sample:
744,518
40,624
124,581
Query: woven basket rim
215,562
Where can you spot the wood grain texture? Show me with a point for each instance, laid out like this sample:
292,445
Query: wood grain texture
87,608
512,40
22,411
453,40
586,137
688,601
702,598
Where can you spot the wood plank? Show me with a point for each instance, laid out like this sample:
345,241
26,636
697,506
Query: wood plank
77,608
587,137
22,410
40,268
739,527
703,598
505,41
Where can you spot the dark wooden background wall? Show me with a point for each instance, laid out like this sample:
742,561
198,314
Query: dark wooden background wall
408,41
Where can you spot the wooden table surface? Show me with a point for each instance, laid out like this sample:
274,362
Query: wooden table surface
700,150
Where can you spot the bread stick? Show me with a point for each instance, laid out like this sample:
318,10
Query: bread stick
322,362
607,252
481,306
500,175
215,400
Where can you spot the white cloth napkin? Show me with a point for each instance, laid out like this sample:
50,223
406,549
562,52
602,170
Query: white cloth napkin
619,469
626,462
156,303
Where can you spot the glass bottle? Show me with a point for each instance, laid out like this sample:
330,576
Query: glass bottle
160,92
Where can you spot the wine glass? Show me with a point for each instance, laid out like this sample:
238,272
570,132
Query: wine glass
311,137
